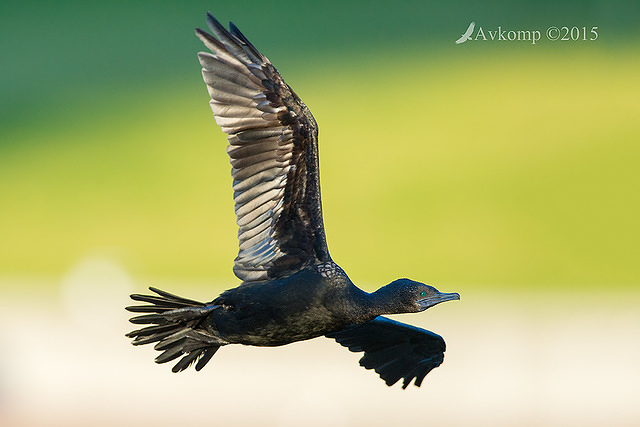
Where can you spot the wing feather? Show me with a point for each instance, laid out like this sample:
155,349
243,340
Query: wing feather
255,179
272,144
393,349
274,157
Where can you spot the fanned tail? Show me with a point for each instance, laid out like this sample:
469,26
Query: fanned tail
175,325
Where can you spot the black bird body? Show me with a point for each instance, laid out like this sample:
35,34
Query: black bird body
291,289
294,308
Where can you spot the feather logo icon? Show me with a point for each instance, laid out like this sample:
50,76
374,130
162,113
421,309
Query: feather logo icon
467,34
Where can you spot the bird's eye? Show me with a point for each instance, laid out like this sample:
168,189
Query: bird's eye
423,294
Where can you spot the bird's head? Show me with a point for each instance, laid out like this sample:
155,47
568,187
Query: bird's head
408,296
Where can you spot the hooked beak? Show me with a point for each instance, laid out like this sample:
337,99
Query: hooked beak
432,300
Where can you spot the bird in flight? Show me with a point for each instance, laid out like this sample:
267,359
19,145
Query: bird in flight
467,34
291,289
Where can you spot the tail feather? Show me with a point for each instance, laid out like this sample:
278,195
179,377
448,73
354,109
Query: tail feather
175,325
186,361
151,334
170,354
207,354
172,339
146,309
165,299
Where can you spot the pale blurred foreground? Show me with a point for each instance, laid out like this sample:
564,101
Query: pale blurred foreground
526,360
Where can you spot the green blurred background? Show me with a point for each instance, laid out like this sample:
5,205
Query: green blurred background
501,164
489,164
505,171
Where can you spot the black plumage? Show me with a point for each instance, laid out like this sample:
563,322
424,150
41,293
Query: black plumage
291,289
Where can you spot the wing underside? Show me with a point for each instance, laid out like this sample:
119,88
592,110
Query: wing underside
274,157
393,349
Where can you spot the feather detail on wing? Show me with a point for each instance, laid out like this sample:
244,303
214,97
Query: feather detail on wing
274,157
393,349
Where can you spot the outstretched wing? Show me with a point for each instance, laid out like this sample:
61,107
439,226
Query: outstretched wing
274,156
393,349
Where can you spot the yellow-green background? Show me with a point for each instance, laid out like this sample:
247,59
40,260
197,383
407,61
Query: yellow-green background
489,164
506,171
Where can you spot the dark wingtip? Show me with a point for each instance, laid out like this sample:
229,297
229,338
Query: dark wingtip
209,40
214,24
234,30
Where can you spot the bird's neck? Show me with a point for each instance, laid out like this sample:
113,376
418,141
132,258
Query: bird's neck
366,306
383,301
